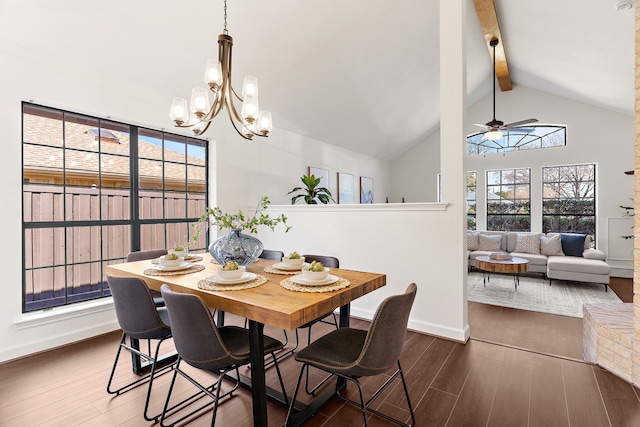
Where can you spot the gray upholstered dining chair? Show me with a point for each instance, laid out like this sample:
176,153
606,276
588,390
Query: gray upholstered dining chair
139,319
354,353
331,262
327,261
271,255
201,344
144,255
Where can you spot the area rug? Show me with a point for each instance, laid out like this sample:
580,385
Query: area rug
535,294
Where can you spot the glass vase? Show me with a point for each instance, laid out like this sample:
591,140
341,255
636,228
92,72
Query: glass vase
236,246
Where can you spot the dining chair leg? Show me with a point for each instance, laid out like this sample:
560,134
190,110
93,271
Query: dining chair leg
215,398
366,406
152,359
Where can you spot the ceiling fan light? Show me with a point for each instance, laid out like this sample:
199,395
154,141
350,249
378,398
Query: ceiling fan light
493,135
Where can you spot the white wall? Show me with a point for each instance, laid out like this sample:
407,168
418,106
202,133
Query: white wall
402,241
413,175
273,166
242,171
594,135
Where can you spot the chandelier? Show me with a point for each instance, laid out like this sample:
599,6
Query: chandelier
249,122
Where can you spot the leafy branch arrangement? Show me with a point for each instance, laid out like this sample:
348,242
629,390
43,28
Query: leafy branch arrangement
215,216
311,191
629,211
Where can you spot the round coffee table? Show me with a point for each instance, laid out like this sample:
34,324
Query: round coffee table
513,266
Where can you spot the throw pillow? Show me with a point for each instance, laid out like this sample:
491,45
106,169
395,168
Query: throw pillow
473,241
490,242
572,244
551,245
528,243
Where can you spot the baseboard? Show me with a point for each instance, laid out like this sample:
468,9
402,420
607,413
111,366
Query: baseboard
460,335
52,342
624,273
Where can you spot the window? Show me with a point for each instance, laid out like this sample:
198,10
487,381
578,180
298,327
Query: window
509,200
569,199
521,138
471,200
94,190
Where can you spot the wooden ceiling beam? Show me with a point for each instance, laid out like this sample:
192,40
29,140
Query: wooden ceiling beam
486,11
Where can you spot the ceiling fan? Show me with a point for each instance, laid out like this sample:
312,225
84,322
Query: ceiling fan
495,128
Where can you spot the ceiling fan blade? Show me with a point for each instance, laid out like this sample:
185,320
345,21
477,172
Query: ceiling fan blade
481,125
519,130
521,122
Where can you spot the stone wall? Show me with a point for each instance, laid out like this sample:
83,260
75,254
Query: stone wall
608,333
611,333
636,194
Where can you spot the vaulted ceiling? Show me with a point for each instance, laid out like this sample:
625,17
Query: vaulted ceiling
361,74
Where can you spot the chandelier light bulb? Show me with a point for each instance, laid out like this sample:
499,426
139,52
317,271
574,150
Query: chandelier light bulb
248,131
264,122
250,87
200,101
197,125
250,109
179,112
213,74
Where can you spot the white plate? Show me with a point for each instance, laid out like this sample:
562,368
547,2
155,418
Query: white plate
284,267
300,280
246,277
182,266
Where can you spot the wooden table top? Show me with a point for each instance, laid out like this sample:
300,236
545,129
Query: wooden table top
270,303
513,265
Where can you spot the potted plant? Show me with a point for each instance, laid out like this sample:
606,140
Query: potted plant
311,193
236,246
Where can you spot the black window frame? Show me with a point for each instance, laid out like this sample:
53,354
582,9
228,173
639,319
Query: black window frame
472,202
563,214
65,227
509,213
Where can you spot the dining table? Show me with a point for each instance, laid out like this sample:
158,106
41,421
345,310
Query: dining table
273,298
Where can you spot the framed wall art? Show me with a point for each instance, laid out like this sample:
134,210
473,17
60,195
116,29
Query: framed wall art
323,174
366,190
345,188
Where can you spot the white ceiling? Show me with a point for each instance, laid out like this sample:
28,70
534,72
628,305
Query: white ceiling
361,74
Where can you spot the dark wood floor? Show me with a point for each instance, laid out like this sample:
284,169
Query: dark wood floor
519,369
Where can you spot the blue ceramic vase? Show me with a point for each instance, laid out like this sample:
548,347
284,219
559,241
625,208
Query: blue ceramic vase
236,246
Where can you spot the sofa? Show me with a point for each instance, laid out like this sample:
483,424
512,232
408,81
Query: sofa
560,256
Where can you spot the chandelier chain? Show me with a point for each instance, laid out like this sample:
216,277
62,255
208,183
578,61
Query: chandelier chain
225,17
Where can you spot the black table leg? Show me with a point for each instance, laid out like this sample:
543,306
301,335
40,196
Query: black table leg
258,382
345,315
136,362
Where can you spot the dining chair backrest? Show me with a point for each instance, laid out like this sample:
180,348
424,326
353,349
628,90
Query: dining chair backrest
386,336
136,312
195,334
143,255
272,255
327,261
